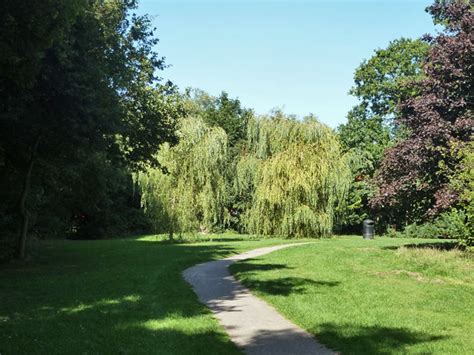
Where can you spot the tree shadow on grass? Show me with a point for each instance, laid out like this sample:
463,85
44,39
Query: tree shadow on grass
345,339
351,339
441,245
122,296
288,285
283,286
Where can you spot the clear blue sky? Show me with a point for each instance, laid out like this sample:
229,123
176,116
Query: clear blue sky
297,55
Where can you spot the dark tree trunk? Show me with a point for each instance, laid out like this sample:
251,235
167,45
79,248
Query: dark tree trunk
171,232
24,213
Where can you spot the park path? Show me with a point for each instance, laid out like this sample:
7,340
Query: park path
251,323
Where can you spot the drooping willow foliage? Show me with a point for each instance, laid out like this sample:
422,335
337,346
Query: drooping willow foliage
293,175
188,192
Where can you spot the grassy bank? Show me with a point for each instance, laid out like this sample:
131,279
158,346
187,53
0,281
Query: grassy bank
371,297
111,297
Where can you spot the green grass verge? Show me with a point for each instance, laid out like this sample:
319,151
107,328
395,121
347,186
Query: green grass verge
371,297
112,297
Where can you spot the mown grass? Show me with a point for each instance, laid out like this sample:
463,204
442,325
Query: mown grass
371,297
112,297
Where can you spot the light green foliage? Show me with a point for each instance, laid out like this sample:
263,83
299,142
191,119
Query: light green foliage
232,117
221,111
187,192
456,224
292,174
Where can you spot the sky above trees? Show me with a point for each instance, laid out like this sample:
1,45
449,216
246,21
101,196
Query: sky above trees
295,55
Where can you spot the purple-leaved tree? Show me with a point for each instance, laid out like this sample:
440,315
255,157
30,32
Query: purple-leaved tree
414,177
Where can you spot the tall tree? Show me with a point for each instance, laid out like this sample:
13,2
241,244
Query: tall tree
363,138
27,33
229,114
221,111
380,85
414,177
188,192
293,175
380,81
75,94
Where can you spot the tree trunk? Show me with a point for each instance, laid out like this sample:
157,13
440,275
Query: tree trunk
24,214
171,224
171,231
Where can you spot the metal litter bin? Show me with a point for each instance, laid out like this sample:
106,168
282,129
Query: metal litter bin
368,227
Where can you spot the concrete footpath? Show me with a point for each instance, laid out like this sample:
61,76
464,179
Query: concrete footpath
252,324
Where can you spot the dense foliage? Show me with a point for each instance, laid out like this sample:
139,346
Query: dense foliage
221,111
380,81
414,178
457,222
229,114
364,139
370,128
188,191
463,183
289,177
293,175
78,104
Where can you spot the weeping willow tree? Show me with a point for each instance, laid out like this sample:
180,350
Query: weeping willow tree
292,175
187,192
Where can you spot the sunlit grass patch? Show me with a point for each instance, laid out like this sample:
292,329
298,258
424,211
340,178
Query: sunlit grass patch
123,296
364,297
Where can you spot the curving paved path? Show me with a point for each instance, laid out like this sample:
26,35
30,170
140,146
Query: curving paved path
251,323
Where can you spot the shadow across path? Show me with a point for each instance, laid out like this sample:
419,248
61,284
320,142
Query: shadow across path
251,323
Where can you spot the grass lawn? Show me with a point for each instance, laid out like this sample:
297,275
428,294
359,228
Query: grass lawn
371,297
112,297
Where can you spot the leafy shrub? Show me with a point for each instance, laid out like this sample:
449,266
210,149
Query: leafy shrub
455,224
392,233
425,231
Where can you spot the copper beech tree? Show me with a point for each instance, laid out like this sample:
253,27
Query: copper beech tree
414,177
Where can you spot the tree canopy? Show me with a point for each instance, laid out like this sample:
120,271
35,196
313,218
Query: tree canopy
77,82
293,175
187,192
380,82
414,177
222,111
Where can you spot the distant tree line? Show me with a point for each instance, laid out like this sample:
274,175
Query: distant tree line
412,133
93,143
285,178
